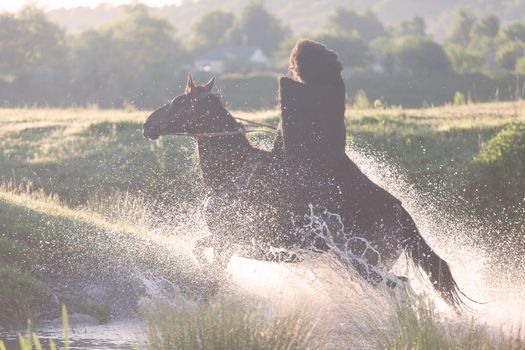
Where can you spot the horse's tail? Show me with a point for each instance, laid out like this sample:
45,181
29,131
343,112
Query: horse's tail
435,268
438,272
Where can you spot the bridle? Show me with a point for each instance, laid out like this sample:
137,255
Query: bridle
242,130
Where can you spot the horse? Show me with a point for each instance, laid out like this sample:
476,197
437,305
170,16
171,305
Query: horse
248,213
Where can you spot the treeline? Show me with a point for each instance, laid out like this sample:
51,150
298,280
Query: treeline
140,59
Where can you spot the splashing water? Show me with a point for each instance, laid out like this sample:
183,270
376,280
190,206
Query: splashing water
349,310
480,268
349,307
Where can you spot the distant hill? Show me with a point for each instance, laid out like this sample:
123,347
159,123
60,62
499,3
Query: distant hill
306,16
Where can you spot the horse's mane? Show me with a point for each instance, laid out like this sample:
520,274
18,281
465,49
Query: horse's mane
216,98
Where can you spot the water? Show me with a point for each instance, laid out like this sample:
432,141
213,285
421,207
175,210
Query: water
122,334
349,310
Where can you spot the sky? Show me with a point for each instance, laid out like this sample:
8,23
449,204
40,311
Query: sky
14,5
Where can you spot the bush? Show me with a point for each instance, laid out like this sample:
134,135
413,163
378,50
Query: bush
459,98
20,296
361,100
498,171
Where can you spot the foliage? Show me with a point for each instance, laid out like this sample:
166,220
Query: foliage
498,171
520,65
30,43
255,26
352,50
361,100
418,55
366,26
461,28
459,98
414,26
514,32
137,48
140,60
20,297
509,54
487,26
464,60
211,29
225,325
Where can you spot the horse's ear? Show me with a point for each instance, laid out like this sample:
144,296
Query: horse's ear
189,85
209,85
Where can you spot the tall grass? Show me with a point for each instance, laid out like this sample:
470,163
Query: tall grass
226,325
32,341
416,325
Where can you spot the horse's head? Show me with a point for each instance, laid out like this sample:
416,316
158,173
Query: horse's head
178,116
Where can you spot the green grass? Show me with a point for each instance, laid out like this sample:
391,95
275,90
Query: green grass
78,187
81,153
415,325
75,245
226,324
21,296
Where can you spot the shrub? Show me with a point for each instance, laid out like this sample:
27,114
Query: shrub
498,171
459,98
361,100
20,296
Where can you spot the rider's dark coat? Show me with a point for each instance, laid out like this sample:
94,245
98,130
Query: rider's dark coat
312,141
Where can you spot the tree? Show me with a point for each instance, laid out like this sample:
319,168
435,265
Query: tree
464,60
414,26
461,27
488,26
520,65
509,53
30,43
367,26
255,26
209,29
514,31
351,49
135,58
420,56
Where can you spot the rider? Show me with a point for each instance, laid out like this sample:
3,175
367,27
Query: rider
312,136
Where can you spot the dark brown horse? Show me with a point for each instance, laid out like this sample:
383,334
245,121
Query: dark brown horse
248,212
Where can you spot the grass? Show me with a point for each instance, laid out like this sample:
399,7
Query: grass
82,190
416,326
32,340
78,153
21,296
226,324
76,244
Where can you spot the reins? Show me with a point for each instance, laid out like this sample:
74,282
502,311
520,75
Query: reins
227,133
221,133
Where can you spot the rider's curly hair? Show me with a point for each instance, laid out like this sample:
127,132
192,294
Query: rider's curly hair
312,62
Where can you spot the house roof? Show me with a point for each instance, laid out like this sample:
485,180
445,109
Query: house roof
242,53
